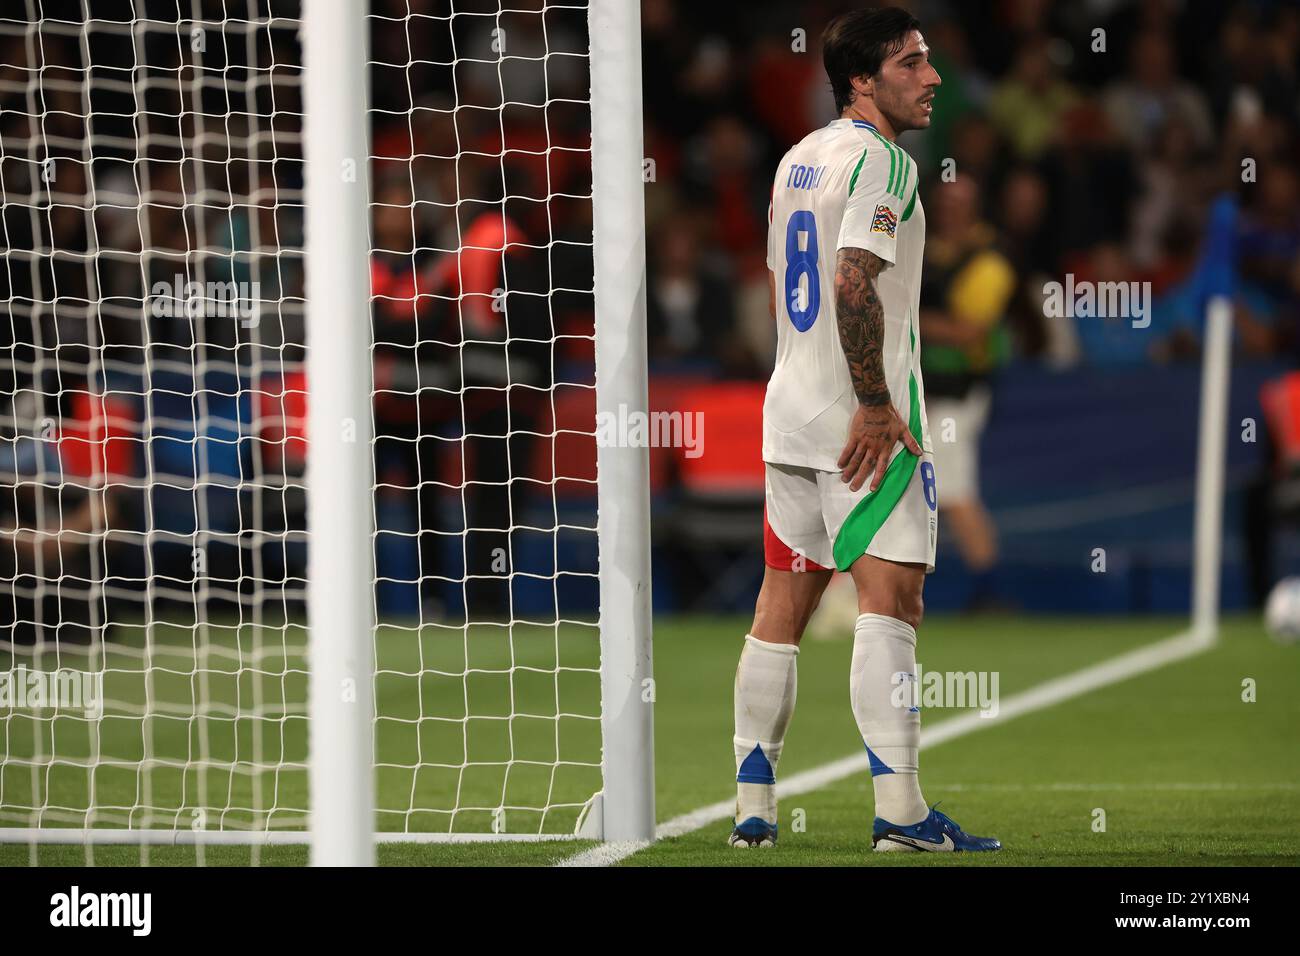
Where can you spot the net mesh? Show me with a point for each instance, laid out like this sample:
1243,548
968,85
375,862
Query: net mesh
153,539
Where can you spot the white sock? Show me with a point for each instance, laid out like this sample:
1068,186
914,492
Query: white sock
882,648
765,692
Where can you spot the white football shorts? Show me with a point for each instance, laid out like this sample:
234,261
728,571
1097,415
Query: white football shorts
813,521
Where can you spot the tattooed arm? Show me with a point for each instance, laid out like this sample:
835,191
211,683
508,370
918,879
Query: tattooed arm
861,320
876,426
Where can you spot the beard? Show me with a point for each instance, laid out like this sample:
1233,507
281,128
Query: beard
904,112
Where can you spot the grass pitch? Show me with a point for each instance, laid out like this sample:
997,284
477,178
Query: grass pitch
1179,766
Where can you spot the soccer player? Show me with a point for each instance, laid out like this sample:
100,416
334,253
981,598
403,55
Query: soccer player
850,477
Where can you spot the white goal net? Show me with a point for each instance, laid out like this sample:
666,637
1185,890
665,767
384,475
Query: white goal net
153,445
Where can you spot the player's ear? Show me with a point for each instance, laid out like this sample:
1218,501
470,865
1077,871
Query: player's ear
863,85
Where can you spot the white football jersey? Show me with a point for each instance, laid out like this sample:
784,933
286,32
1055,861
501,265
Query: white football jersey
841,186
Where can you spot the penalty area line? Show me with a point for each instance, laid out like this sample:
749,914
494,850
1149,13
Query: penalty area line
1039,697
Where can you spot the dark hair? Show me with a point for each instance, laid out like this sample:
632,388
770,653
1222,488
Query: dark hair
858,42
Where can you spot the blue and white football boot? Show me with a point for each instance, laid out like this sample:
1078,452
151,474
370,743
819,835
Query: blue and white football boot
752,832
937,833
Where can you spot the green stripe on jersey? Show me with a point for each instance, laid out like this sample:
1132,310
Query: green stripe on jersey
853,180
907,175
900,168
911,204
893,159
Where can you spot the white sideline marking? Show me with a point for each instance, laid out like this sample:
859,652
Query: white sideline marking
1039,697
606,854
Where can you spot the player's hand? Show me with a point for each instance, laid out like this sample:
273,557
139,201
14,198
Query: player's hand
874,431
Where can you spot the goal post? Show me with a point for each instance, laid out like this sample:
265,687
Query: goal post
314,311
340,475
618,212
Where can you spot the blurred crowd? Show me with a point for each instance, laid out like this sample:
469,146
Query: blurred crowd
1084,138
1090,137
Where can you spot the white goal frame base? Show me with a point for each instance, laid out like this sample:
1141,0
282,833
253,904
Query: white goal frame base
590,827
118,837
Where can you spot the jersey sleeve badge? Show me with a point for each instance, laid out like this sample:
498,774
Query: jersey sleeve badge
884,221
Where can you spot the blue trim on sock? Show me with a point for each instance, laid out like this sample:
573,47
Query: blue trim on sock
878,766
756,768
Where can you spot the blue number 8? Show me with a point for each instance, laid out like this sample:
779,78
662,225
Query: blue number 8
798,263
927,485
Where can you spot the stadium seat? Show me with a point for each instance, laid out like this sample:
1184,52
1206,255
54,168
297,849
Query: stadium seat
1280,400
717,524
99,440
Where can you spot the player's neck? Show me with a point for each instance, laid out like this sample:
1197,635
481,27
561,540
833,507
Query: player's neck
870,114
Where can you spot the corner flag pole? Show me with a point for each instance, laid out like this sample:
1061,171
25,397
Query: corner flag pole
1217,273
